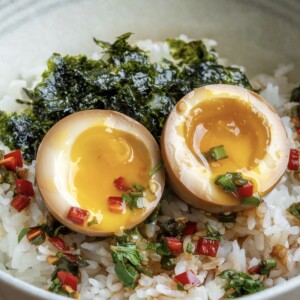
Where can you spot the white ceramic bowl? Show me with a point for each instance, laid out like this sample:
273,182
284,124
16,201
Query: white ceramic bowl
258,34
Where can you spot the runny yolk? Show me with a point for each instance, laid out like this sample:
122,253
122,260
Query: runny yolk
100,155
242,131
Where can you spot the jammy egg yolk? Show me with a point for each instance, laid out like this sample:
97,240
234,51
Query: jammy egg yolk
100,155
244,134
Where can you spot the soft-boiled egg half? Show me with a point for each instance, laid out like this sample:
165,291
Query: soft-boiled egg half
215,133
94,172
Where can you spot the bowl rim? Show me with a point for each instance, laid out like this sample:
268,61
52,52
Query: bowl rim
32,290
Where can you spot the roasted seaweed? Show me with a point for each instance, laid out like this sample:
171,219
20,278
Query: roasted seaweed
124,80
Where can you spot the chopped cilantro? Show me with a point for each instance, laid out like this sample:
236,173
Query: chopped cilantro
240,284
189,248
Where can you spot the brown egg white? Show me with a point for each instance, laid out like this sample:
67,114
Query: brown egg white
240,120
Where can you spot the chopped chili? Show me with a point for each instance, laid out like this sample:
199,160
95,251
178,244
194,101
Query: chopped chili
24,187
77,215
245,190
34,233
20,202
174,244
17,154
187,277
68,279
254,270
190,228
293,163
59,243
207,247
116,204
120,184
10,163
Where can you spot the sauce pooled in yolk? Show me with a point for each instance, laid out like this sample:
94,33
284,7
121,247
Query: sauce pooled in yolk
242,131
100,155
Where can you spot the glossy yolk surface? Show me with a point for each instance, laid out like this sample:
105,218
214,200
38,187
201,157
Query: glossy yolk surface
100,155
242,131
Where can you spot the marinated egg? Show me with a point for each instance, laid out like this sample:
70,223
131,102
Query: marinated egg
93,170
235,124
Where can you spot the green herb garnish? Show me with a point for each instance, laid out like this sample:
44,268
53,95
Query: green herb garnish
23,232
93,221
163,249
128,263
230,181
218,153
156,169
180,286
240,284
212,233
127,252
168,263
56,287
127,274
250,201
294,209
189,248
266,266
138,187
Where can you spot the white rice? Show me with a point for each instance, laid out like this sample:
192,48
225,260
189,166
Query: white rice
244,243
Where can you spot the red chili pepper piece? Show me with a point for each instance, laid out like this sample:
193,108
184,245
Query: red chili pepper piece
77,215
246,190
174,244
34,233
120,184
254,270
68,279
59,243
10,163
20,202
187,278
24,187
207,247
115,204
71,257
17,154
293,163
190,228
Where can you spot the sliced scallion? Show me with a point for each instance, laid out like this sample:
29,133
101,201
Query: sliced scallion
226,182
250,201
136,194
231,181
156,169
218,152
